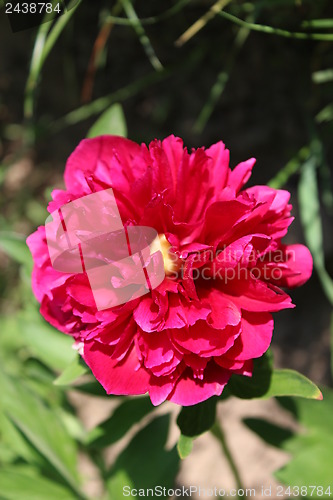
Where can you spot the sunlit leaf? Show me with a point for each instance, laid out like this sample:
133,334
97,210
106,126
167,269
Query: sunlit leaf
291,383
22,482
50,346
72,372
41,428
322,76
267,383
184,446
111,122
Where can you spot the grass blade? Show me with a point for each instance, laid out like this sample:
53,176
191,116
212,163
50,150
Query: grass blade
140,31
292,167
327,37
201,22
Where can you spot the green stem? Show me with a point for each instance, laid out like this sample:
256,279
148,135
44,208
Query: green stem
140,31
328,37
218,432
292,167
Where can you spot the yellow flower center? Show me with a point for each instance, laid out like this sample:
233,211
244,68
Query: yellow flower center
172,263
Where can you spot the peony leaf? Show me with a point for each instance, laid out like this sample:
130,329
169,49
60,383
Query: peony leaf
145,463
49,345
197,419
41,427
127,414
24,482
112,122
267,383
184,446
311,466
291,383
312,449
72,372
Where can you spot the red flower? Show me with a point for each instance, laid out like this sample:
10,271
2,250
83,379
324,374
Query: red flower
224,264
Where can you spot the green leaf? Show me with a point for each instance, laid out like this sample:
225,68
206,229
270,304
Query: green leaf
291,383
291,168
310,466
325,114
72,372
195,420
309,205
266,383
15,247
184,446
312,448
112,122
41,427
315,415
22,482
145,463
48,344
323,76
17,443
127,414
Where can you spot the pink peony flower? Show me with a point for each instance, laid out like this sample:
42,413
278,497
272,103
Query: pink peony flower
224,263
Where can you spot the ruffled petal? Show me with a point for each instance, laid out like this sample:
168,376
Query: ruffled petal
255,337
190,391
123,377
241,174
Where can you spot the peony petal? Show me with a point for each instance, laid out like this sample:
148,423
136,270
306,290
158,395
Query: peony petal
255,337
120,378
223,310
190,391
203,340
161,387
252,294
241,174
156,348
238,367
298,266
219,166
113,160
